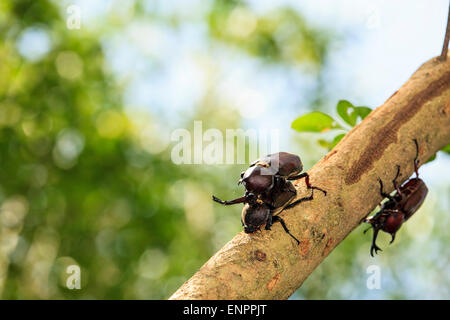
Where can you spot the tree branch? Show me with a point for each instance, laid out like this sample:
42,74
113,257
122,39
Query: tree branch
269,264
446,38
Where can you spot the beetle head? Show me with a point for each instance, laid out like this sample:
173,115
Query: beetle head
251,198
254,216
250,228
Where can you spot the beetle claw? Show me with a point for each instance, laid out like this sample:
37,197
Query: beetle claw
393,238
374,248
317,188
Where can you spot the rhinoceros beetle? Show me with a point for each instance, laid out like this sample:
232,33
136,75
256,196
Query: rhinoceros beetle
406,200
258,213
268,190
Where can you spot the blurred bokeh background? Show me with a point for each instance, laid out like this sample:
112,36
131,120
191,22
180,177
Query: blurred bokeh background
86,116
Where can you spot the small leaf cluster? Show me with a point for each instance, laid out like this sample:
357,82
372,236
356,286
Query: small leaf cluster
349,116
319,122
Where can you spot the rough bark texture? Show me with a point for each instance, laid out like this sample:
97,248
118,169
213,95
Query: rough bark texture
269,264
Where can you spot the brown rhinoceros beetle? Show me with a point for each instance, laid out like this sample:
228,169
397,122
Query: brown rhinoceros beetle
264,174
269,191
259,213
406,200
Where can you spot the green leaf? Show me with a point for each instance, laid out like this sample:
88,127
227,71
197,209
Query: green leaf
336,140
349,113
446,149
363,112
331,144
346,111
324,144
314,122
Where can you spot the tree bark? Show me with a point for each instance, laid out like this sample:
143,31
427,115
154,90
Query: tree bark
269,264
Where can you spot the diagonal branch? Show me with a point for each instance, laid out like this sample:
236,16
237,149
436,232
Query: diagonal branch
269,264
446,37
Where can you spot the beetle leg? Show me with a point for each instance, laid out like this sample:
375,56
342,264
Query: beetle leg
393,238
416,159
374,246
376,229
394,182
299,176
231,202
308,185
293,204
269,221
384,194
283,224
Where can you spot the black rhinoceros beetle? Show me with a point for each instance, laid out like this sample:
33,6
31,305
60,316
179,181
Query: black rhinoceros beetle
406,200
269,191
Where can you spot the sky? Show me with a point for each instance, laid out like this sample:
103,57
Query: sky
167,71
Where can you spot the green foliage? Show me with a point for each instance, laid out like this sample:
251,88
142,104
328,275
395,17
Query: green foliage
314,122
75,174
278,36
319,122
351,114
330,145
80,181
